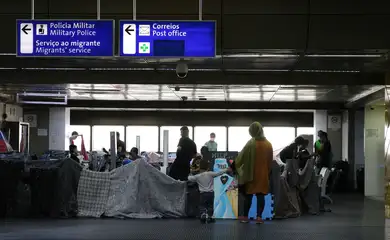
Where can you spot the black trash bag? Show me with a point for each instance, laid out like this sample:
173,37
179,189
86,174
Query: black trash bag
44,192
10,175
360,180
22,206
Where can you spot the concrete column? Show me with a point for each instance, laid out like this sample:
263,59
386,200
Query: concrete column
320,121
332,124
59,122
374,150
334,131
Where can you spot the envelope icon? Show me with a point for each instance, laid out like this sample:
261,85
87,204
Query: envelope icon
144,30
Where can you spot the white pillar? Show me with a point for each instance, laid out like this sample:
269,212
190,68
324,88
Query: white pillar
374,151
320,121
138,143
165,151
59,123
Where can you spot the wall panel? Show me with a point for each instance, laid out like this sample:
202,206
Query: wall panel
349,32
349,7
265,7
72,7
264,31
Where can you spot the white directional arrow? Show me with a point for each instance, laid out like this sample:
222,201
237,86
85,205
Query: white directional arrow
129,39
26,38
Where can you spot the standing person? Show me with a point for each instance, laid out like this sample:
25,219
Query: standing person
212,144
318,143
5,127
291,150
205,180
73,137
186,150
324,152
253,166
120,146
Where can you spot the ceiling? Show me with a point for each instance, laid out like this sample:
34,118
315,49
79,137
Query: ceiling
303,35
204,96
139,92
304,54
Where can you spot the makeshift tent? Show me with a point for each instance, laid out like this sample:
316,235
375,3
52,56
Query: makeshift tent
135,190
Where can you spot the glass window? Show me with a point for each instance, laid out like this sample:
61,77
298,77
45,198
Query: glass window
173,137
84,130
202,135
101,136
305,131
238,137
148,138
279,137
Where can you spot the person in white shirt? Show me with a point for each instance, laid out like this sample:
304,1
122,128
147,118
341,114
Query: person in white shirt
205,180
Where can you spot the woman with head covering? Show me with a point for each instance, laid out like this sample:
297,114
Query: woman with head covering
324,152
253,166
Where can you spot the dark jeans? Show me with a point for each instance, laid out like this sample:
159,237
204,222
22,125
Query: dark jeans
248,203
206,204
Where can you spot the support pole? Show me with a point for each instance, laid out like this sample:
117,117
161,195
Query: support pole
138,143
98,9
112,150
165,148
134,9
200,10
165,152
32,9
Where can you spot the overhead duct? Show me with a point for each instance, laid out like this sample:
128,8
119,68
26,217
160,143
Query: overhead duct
42,98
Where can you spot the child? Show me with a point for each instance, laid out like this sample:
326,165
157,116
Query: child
195,164
73,154
205,180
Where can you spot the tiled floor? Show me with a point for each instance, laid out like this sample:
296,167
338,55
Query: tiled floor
352,218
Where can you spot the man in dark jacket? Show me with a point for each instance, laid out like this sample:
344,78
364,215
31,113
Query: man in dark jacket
186,150
120,146
290,152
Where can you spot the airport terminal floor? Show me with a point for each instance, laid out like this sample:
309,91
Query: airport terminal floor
353,218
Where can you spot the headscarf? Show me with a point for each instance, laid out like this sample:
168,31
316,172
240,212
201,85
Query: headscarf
256,131
245,160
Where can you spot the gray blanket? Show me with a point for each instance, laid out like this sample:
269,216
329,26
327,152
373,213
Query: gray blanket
92,193
308,187
138,190
295,189
288,204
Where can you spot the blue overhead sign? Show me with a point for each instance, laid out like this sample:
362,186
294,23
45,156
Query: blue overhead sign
167,39
65,38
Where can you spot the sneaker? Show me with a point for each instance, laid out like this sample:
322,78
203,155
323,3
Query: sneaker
243,219
203,218
210,220
259,221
